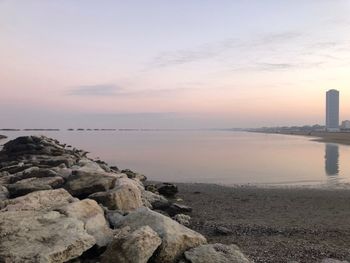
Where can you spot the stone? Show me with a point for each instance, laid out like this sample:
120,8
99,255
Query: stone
29,185
216,253
221,230
92,215
81,183
4,193
182,219
156,201
124,197
33,236
33,172
39,201
176,238
136,247
133,175
114,217
152,188
167,189
175,209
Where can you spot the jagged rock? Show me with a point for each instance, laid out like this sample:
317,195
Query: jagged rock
176,238
33,236
92,215
216,253
152,188
82,183
15,168
114,217
52,161
29,185
40,200
136,247
167,189
154,200
175,209
182,219
126,196
4,193
133,175
33,172
4,178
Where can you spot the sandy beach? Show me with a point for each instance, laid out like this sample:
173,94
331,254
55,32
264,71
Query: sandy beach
273,225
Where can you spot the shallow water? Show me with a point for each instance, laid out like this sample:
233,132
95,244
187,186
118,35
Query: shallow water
222,157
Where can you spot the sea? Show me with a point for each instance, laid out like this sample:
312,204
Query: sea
214,156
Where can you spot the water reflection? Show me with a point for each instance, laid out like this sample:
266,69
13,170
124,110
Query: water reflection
332,159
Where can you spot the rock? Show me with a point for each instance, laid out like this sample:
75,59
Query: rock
33,172
125,197
92,215
182,219
221,230
175,209
52,161
32,236
216,253
133,175
5,178
152,188
114,217
167,189
40,200
29,185
81,183
4,193
176,238
136,247
154,200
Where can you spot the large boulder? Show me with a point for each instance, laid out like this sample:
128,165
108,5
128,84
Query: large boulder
81,183
29,185
135,247
216,253
92,215
33,172
39,201
155,201
176,238
33,236
126,196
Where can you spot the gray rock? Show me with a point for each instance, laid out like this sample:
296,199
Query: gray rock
167,189
92,215
33,236
176,238
175,209
114,217
135,247
133,175
155,201
126,196
39,201
81,183
216,253
29,185
182,219
221,230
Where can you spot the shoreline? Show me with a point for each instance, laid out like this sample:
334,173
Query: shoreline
325,137
272,224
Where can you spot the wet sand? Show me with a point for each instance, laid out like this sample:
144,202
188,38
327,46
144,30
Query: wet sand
330,137
273,225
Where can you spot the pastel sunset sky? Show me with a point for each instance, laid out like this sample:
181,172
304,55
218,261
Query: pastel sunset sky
171,64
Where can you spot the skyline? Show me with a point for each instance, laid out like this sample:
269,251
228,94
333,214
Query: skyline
162,64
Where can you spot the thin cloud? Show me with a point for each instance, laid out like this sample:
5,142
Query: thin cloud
95,90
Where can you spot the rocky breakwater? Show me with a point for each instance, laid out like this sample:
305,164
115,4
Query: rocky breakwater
58,205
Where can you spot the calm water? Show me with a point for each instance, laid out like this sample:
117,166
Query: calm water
216,156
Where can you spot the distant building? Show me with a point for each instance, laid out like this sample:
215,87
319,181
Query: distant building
332,110
345,125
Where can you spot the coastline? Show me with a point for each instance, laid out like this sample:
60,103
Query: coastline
273,224
319,136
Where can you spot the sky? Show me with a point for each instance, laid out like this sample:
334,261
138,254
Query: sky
171,64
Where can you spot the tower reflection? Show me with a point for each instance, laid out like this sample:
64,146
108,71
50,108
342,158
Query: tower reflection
332,159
